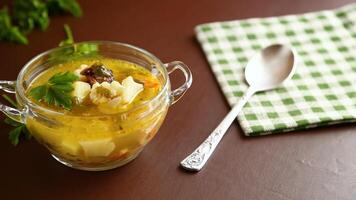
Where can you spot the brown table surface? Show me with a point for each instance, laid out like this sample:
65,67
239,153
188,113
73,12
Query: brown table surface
313,164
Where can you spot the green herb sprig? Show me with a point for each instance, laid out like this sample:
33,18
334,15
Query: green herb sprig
74,52
69,36
20,130
62,6
56,91
30,14
9,32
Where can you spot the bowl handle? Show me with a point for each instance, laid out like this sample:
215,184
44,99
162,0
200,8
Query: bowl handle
13,113
179,92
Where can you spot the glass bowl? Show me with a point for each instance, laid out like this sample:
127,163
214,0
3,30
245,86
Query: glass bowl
103,141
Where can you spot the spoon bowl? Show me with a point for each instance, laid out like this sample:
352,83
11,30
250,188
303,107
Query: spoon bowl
265,71
269,68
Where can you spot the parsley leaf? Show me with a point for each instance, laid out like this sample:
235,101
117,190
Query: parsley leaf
77,51
30,14
56,91
8,31
86,49
58,6
14,135
19,130
63,78
73,52
69,36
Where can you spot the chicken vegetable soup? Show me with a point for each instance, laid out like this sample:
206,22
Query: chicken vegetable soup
96,111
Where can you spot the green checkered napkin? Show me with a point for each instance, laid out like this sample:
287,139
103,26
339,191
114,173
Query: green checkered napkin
323,90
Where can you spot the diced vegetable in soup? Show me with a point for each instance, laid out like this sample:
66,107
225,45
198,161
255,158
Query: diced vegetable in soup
101,112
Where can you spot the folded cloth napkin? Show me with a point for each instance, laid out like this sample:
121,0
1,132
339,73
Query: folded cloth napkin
323,90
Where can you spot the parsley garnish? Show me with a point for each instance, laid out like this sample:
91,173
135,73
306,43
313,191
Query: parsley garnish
19,130
56,91
30,14
69,36
60,6
74,52
8,31
58,88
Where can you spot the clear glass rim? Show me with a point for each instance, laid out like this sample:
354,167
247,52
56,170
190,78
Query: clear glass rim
21,91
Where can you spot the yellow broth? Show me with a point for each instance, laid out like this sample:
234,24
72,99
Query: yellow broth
89,138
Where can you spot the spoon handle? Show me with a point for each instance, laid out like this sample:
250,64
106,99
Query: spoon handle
196,160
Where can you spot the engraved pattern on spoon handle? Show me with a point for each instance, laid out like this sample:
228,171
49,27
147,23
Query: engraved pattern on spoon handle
196,160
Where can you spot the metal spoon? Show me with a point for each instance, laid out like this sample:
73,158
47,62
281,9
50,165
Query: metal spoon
265,71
